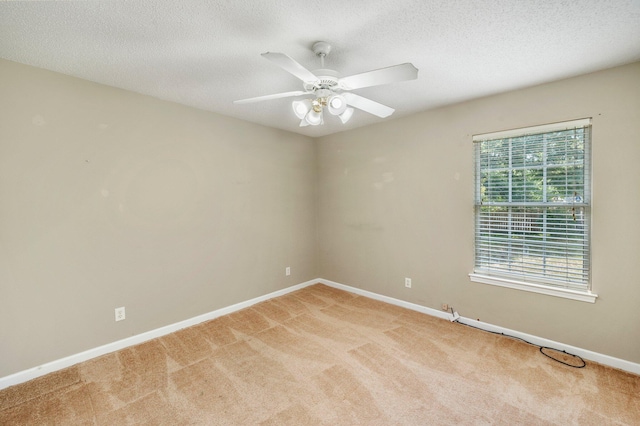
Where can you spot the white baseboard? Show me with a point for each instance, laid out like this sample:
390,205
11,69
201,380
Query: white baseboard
387,299
618,363
50,367
603,359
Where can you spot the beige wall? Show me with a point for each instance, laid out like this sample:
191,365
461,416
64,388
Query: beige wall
396,200
110,198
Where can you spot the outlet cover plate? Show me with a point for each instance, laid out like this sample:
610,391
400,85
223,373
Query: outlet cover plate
120,315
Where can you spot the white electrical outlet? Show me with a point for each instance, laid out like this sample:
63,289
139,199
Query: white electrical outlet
287,271
407,282
120,314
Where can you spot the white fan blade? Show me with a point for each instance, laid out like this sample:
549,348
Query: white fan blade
387,75
367,105
290,65
274,96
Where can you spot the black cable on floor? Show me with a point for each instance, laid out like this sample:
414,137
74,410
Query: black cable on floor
542,348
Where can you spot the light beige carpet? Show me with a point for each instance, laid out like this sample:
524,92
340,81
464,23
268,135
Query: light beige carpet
324,356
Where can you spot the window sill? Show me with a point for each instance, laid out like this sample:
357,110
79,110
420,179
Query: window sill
535,288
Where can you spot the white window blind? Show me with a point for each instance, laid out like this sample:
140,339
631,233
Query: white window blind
532,205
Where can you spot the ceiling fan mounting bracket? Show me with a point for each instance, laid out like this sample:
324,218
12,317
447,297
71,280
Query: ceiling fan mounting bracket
321,48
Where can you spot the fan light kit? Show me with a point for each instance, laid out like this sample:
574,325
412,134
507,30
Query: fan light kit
325,90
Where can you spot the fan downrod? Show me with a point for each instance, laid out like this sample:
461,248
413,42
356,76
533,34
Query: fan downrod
327,79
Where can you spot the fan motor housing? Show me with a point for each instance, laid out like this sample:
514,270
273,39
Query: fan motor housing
327,79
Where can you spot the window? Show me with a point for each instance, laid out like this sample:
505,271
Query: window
532,209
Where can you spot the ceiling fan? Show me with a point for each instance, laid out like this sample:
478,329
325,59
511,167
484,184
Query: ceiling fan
325,89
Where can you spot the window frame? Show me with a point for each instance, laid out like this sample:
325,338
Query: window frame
512,281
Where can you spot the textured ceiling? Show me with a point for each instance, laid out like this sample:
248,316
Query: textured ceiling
206,54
